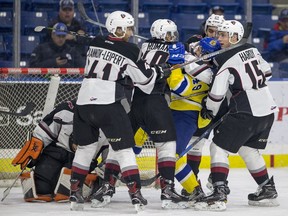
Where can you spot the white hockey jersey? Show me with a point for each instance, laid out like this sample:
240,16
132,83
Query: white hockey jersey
243,71
110,63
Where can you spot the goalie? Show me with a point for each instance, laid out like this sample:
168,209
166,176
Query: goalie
50,153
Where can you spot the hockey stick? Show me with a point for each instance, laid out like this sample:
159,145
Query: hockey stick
188,96
41,28
28,108
7,190
147,182
96,15
247,32
84,15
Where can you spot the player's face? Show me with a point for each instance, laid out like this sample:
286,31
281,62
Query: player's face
211,31
284,23
128,34
223,38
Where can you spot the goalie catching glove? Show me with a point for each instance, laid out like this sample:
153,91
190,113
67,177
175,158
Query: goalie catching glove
30,151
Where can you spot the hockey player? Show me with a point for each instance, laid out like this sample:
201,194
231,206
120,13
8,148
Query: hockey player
111,66
51,167
151,111
189,86
247,125
212,24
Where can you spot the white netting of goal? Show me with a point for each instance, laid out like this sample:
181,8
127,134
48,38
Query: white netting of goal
21,85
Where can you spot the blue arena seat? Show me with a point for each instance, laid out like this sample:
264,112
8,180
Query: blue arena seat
113,5
160,9
6,64
188,6
258,43
43,5
31,19
262,24
188,24
6,21
230,6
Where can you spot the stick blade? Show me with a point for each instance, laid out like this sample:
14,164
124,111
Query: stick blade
5,193
39,28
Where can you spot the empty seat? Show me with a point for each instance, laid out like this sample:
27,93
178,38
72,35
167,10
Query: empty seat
7,64
43,5
113,5
230,6
31,19
6,21
258,43
188,6
262,24
160,9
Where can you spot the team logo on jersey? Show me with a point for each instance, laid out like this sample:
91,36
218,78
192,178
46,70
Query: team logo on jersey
213,42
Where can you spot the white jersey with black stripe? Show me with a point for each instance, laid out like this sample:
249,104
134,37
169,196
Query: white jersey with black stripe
242,70
109,62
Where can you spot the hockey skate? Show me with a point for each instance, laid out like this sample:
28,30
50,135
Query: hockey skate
209,185
137,199
265,195
196,194
102,196
215,201
170,198
76,198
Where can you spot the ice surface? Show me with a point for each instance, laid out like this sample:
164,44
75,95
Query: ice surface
240,183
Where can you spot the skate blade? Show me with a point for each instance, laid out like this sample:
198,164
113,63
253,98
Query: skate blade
168,204
74,206
216,206
264,203
139,207
98,204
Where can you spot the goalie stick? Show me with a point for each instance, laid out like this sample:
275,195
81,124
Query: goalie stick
28,108
147,182
84,15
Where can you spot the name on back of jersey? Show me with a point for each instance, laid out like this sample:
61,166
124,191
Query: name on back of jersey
106,55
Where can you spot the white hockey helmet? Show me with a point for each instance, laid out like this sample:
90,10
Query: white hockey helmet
119,19
163,27
232,27
214,20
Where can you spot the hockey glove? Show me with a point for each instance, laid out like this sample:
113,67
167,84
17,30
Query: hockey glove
176,53
163,71
206,113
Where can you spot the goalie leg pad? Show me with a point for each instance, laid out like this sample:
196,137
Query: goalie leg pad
29,189
31,150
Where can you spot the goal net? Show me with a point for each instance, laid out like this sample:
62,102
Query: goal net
46,87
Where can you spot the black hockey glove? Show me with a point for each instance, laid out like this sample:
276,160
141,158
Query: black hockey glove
206,113
163,71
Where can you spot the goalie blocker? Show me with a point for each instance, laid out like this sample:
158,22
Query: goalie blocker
62,189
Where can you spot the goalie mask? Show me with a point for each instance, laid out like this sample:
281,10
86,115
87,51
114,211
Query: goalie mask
119,19
232,27
164,29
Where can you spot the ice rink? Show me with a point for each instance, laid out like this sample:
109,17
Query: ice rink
240,183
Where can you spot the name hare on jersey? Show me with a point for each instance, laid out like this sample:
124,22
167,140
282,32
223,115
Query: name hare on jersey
157,46
106,55
246,55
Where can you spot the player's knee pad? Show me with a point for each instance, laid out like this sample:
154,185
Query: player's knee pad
125,157
29,189
198,147
84,154
185,175
218,155
62,189
252,158
166,149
